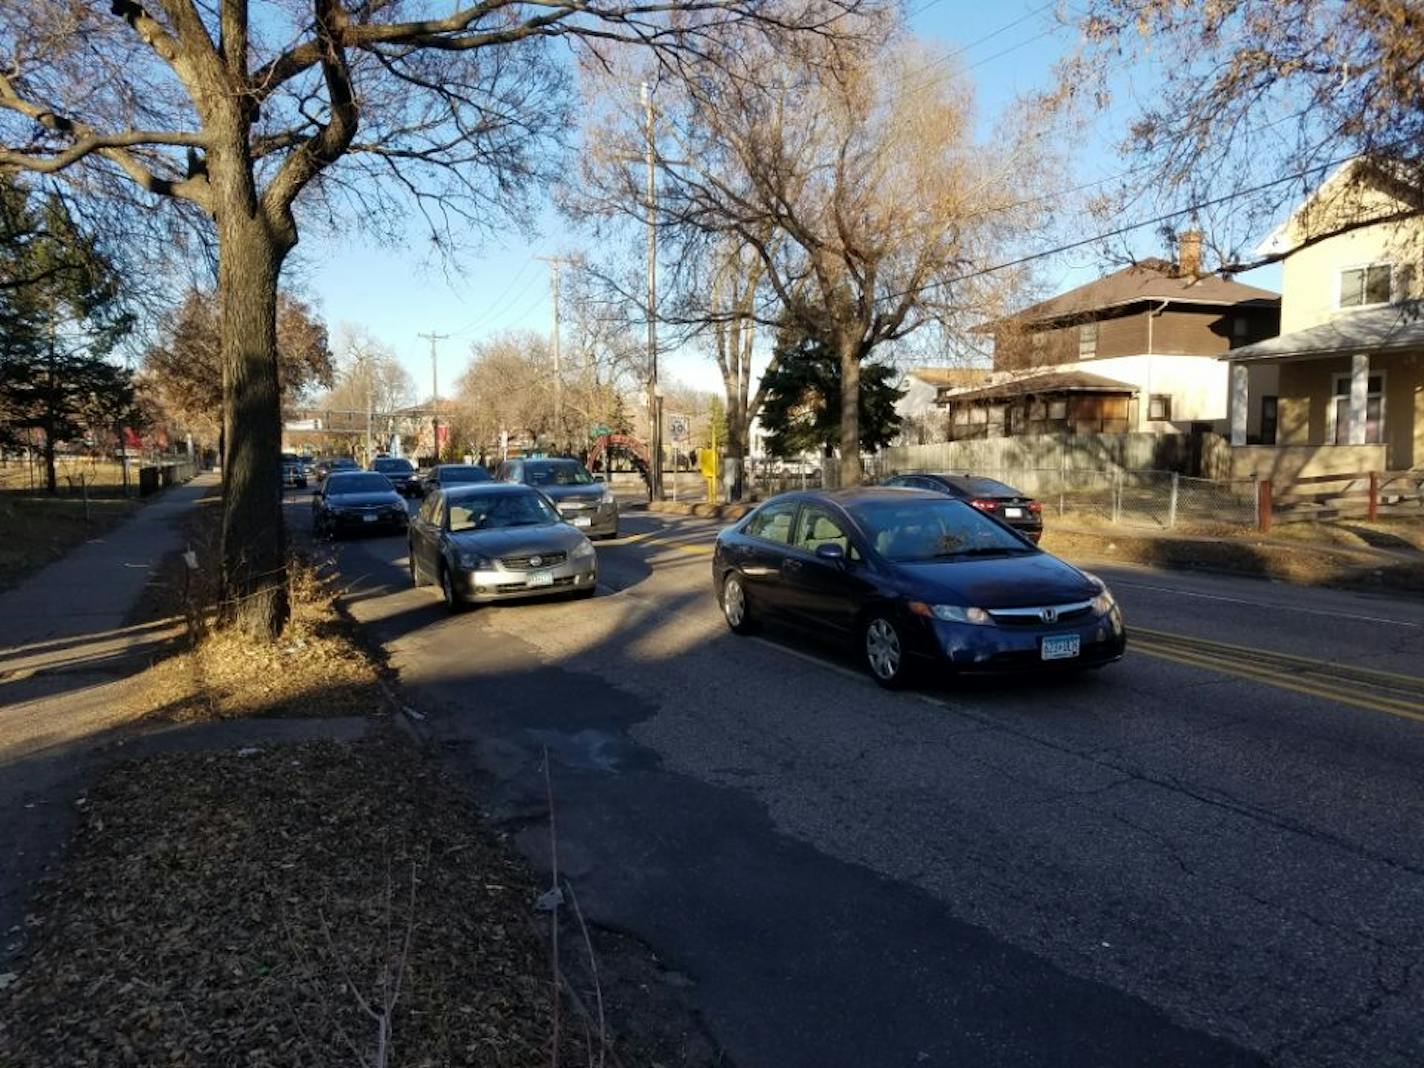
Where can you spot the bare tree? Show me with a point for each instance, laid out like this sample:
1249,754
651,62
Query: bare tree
839,182
1256,101
233,110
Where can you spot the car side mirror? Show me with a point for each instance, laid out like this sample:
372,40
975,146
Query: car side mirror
830,552
598,478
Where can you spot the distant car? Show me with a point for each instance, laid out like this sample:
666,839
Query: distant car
910,576
582,500
326,467
401,472
357,500
443,476
494,542
293,473
1003,502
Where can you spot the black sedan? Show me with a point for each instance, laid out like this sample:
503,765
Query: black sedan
330,465
443,476
498,542
357,500
401,472
913,576
990,496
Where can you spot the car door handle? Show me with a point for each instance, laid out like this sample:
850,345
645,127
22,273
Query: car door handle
791,565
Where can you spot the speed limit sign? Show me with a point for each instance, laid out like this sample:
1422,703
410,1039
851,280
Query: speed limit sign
677,426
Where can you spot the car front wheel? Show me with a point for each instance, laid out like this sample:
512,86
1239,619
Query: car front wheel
884,651
735,608
447,590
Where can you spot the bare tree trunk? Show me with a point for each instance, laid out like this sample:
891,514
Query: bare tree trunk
254,576
849,345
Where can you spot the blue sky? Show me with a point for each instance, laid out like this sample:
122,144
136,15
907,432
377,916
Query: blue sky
1008,49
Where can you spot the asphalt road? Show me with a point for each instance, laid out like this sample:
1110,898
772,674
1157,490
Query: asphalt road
1211,853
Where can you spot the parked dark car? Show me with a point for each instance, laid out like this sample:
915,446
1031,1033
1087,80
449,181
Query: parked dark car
323,468
357,500
443,476
990,496
913,576
496,542
580,498
401,472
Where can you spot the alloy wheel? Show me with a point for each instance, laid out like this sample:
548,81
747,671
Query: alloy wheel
447,589
734,605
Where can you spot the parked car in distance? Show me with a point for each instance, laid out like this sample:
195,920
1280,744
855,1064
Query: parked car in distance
401,472
913,577
324,467
494,541
357,500
442,476
293,473
580,498
990,496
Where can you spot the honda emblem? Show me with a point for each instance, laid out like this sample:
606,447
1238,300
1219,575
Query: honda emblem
535,561
1048,615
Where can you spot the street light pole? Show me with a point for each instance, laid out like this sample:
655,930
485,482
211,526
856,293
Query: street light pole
434,390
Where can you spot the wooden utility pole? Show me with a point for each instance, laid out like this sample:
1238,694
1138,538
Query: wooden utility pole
555,263
655,401
434,390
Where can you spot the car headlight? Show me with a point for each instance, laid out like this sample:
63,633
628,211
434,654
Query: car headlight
1104,603
952,613
474,562
584,550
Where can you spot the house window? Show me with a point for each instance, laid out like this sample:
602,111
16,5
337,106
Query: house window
1363,286
1240,327
1058,409
1339,413
1159,407
1087,340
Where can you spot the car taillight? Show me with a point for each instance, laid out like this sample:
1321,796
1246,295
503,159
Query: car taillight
1036,507
983,506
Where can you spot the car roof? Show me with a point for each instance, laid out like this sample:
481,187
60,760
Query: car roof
464,488
459,467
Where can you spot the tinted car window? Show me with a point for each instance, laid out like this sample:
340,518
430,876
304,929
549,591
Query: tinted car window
550,473
429,508
924,529
451,476
394,467
976,486
491,511
358,482
772,523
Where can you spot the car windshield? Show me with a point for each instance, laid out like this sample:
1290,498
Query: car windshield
335,464
569,473
358,483
923,529
472,473
393,467
493,511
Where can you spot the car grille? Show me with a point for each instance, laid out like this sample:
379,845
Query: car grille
1034,617
510,587
526,563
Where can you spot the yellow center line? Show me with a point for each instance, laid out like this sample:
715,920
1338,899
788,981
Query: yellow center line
1303,661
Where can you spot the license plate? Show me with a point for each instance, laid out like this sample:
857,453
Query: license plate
539,578
1013,513
581,521
1060,647
369,518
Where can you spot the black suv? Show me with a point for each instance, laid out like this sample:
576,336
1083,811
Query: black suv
401,472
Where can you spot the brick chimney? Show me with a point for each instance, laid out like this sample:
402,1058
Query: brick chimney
1189,253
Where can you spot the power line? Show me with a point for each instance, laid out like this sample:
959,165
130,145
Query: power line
500,302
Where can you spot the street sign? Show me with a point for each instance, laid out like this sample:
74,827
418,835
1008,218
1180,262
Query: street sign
601,431
677,427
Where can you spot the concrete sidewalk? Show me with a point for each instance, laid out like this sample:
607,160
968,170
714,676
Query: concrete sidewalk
65,631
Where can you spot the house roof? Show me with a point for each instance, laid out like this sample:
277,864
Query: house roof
1051,382
1147,280
950,376
1385,329
1387,176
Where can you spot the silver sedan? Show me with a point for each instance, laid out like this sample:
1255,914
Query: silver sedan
498,541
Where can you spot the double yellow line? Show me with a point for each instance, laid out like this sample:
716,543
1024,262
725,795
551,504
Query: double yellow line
1377,691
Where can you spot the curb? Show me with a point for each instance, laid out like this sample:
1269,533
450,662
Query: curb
701,509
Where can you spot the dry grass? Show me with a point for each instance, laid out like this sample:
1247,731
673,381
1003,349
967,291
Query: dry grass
1393,532
227,908
36,530
103,477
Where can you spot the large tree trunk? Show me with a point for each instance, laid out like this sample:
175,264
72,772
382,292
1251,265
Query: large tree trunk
849,346
254,564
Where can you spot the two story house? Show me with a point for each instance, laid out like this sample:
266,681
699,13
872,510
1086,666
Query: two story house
1342,388
1134,351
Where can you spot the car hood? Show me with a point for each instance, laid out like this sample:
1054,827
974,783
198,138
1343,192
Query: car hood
363,500
514,541
569,494
998,581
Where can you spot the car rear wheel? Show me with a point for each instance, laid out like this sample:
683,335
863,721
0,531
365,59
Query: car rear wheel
735,608
885,654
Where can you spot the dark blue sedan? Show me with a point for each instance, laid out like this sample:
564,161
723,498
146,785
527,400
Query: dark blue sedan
910,576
